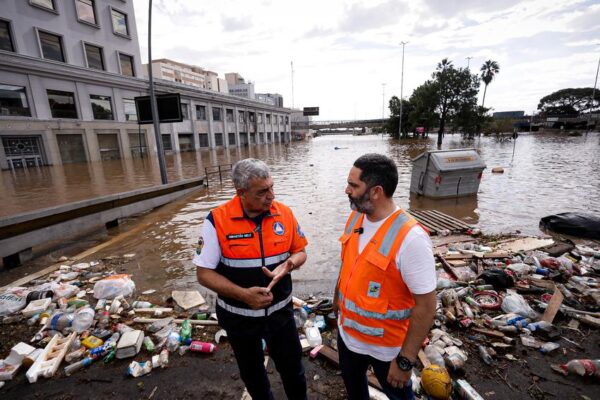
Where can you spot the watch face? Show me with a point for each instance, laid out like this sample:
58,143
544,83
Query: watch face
404,363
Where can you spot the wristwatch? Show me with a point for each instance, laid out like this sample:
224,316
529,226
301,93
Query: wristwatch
404,363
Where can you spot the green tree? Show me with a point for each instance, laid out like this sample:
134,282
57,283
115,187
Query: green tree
570,101
489,69
456,92
392,123
424,100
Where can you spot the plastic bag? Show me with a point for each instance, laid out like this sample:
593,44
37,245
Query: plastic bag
64,290
114,286
497,277
515,303
13,300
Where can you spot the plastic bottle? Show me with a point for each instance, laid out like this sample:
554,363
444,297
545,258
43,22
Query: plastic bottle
141,304
300,317
186,331
434,355
313,336
164,358
69,369
549,347
104,319
173,341
149,344
75,355
61,321
584,367
39,294
203,347
83,319
485,356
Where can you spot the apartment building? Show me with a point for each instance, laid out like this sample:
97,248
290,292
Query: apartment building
69,73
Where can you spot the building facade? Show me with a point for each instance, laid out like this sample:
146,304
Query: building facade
69,73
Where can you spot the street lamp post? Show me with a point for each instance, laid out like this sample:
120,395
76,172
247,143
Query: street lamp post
401,90
382,102
468,61
594,91
153,106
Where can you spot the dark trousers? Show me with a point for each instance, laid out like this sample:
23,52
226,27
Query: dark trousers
354,372
285,350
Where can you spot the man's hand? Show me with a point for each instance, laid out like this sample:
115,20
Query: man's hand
258,297
282,270
396,377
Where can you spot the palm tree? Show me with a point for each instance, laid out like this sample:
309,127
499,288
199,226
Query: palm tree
489,69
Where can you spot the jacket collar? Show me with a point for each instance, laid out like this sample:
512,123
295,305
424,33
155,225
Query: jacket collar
237,210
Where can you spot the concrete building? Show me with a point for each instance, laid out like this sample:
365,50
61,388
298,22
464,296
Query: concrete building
187,74
69,73
274,99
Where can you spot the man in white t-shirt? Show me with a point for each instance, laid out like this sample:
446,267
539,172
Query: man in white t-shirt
385,293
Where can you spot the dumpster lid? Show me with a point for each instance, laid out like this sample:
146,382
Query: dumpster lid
451,160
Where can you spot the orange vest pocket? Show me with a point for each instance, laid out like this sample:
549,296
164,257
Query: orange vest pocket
368,305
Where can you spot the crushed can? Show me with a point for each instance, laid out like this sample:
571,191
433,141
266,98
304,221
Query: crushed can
202,347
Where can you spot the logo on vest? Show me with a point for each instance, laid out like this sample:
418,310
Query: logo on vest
374,289
200,245
278,228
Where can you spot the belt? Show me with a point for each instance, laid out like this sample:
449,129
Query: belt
265,312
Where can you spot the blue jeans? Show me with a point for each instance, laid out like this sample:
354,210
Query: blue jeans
354,372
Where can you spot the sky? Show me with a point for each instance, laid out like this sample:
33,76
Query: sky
347,56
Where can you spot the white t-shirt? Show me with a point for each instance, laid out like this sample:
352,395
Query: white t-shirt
208,252
417,267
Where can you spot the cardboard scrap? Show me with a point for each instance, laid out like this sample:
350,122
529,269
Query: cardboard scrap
553,306
187,299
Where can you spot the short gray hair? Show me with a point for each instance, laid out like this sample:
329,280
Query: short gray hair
244,170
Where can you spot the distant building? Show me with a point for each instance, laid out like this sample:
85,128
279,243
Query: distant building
508,114
69,73
242,90
274,99
233,78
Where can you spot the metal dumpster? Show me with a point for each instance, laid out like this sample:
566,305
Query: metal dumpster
447,173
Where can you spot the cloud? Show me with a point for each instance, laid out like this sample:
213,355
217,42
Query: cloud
232,24
450,8
359,18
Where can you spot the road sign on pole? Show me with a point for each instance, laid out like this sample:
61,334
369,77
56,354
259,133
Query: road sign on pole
310,111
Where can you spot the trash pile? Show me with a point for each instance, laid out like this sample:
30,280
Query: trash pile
494,300
86,313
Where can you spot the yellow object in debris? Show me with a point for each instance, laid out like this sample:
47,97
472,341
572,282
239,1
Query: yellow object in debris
436,382
91,342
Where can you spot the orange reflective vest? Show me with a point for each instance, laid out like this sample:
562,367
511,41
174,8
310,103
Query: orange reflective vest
246,248
375,303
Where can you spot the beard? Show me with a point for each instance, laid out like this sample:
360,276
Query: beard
362,204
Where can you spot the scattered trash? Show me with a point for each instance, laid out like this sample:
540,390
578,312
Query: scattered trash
114,286
188,299
137,369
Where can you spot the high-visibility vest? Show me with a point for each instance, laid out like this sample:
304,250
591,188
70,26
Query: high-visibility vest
246,248
375,303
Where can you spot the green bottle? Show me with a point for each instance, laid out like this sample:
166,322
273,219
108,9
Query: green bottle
186,331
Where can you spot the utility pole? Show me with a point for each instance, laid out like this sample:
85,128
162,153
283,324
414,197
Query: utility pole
401,91
153,105
594,91
468,62
292,64
382,101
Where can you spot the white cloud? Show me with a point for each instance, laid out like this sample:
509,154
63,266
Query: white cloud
344,50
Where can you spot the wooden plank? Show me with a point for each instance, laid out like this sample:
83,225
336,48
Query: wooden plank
78,257
489,332
451,219
452,257
423,219
330,355
447,267
553,306
437,221
141,320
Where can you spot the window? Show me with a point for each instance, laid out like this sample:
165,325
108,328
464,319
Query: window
47,4
6,41
281,119
185,111
101,107
126,62
94,57
231,138
218,139
287,120
204,140
260,118
62,104
268,118
216,114
119,22
52,46
167,145
13,101
129,108
229,115
241,116
201,113
85,11
251,115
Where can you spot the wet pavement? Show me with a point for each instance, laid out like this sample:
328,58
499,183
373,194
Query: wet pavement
548,174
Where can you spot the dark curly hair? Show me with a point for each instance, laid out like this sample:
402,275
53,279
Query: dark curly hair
378,170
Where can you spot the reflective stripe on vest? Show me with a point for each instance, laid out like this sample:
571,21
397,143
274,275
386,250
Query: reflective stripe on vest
351,225
367,330
397,315
390,236
254,262
254,313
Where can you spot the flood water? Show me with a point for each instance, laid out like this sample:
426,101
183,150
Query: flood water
548,173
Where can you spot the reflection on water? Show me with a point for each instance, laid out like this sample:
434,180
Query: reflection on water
547,174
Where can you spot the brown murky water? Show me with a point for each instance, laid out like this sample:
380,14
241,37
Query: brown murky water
548,173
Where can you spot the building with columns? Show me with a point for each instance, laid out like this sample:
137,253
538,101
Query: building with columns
69,71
